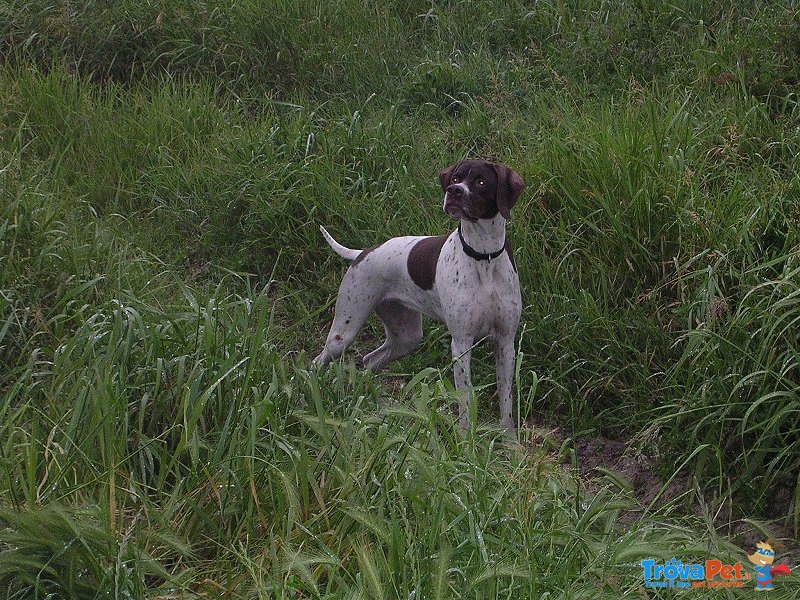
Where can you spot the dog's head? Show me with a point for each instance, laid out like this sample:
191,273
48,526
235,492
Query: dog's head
479,189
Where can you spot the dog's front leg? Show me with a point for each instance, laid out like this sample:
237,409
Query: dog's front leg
462,357
504,364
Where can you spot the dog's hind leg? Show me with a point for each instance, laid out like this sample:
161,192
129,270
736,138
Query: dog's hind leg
403,333
353,305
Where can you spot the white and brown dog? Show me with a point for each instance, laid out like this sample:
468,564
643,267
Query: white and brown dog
466,279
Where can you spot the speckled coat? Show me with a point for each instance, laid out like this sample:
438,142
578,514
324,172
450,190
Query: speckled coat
409,276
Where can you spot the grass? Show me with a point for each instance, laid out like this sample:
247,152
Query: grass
163,170
201,459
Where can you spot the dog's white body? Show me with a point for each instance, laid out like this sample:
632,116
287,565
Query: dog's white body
410,276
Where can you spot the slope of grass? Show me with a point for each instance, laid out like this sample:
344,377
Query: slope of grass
163,170
159,450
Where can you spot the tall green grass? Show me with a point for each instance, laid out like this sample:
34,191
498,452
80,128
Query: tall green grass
179,450
163,170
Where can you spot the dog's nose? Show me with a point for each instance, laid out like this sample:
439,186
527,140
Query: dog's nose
455,190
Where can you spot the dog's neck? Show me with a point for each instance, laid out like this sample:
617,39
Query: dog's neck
485,235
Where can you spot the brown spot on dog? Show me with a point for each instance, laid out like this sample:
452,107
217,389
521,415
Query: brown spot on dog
364,253
423,258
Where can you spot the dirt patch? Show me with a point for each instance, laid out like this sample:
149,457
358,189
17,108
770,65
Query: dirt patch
602,460
635,471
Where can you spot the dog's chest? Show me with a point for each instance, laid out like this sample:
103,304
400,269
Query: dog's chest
481,295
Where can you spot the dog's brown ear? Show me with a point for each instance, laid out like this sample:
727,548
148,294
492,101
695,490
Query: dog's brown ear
509,188
446,175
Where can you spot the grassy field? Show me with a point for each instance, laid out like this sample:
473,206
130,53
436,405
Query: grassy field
164,167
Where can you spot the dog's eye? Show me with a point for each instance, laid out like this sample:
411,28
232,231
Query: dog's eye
456,179
481,182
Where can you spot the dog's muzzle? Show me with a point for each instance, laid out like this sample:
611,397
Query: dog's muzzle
454,200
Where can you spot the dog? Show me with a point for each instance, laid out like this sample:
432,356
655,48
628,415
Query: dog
467,279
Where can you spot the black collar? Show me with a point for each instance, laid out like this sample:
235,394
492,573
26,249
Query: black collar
472,253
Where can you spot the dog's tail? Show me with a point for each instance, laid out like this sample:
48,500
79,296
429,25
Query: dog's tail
347,253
